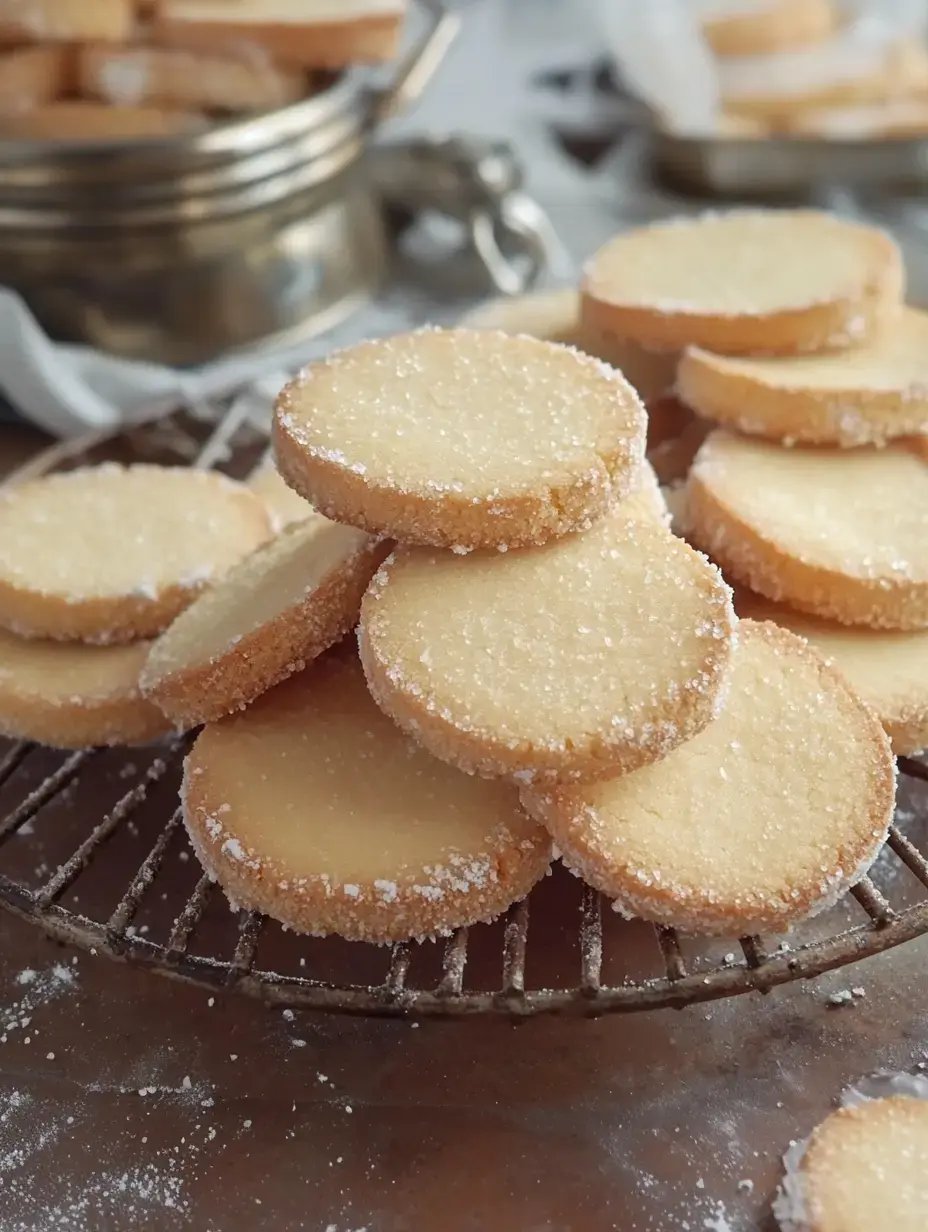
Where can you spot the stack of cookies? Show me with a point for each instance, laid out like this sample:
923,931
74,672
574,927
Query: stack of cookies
91,70
541,667
794,66
544,667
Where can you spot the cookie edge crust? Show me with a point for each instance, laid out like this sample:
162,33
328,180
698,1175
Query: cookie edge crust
711,919
524,518
592,757
118,619
206,692
92,723
836,324
844,418
790,27
316,908
814,1220
759,564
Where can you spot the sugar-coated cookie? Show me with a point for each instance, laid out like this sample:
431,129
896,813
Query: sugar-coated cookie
872,394
864,1169
776,282
83,121
846,71
459,438
314,808
74,696
266,619
553,316
284,505
65,21
900,117
131,76
112,553
30,76
888,670
840,533
752,28
587,657
321,34
763,819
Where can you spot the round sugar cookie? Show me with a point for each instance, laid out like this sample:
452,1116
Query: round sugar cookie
457,438
73,696
774,282
112,553
764,818
841,533
283,504
739,29
864,1168
870,395
584,658
271,615
897,117
888,670
314,808
550,315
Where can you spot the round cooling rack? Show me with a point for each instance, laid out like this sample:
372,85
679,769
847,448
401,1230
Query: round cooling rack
93,852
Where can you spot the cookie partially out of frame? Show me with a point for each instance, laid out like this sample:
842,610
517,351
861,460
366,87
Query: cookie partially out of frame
113,553
764,282
864,1168
460,439
74,696
312,807
871,395
270,616
839,533
887,670
585,658
763,819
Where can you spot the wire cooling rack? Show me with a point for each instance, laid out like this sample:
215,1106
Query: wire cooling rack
93,852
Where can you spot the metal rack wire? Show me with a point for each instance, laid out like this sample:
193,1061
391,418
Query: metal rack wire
48,798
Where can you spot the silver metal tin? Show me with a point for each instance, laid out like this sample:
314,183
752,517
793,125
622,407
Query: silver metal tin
176,251
788,166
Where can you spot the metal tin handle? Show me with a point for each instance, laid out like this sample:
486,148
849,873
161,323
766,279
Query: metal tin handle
477,182
419,65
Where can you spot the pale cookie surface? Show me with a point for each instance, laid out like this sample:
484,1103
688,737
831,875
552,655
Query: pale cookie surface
270,616
74,696
767,27
873,394
315,809
173,77
902,117
457,438
111,553
284,505
551,315
745,282
81,121
587,657
841,533
889,671
321,34
763,819
65,21
866,1168
30,76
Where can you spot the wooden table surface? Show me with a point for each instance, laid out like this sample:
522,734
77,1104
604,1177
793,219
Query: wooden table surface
129,1101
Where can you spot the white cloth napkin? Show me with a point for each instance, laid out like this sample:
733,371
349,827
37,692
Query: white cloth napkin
72,390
